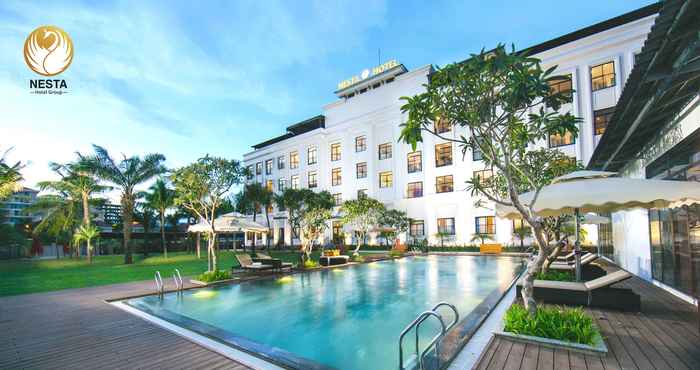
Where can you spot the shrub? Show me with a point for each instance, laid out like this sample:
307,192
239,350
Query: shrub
211,276
309,264
395,253
357,258
554,276
566,324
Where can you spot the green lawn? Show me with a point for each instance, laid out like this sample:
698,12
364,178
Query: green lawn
31,276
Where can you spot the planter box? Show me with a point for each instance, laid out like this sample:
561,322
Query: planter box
597,349
202,283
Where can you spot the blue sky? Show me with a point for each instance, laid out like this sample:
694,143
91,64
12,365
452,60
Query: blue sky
189,78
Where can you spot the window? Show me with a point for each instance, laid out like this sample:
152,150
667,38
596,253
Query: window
414,189
337,199
294,160
361,170
336,177
485,225
281,184
280,162
446,225
483,175
258,168
338,235
361,193
312,179
311,155
268,167
601,118
416,228
443,154
295,182
415,162
250,173
477,155
269,185
603,76
563,87
361,143
442,126
385,151
443,184
335,152
386,179
556,140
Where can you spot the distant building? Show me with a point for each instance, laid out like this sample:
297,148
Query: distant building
13,208
110,214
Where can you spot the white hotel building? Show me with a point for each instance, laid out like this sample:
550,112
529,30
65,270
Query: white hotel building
352,147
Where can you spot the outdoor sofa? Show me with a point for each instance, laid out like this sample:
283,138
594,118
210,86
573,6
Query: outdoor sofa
277,263
594,293
247,263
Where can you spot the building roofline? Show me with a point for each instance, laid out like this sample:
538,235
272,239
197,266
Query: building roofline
298,128
594,29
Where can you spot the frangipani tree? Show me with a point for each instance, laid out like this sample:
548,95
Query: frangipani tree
395,222
201,188
314,223
503,102
362,215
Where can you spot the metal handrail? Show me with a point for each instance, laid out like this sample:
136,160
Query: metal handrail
454,309
422,317
159,283
178,279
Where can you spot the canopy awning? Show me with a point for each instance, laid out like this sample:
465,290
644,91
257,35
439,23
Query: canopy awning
605,193
229,223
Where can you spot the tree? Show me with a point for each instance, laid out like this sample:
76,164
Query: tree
86,233
61,215
313,225
522,232
256,197
160,198
504,101
146,216
293,200
78,184
125,175
481,237
442,235
201,188
10,176
395,222
362,214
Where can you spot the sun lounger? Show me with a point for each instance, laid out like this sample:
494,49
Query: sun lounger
567,257
594,293
247,263
571,266
276,262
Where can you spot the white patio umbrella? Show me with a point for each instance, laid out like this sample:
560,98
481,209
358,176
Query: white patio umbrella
233,222
597,191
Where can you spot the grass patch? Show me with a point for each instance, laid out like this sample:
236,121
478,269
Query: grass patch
554,275
565,324
212,276
34,275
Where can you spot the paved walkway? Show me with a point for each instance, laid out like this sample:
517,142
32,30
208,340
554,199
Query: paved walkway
664,335
76,329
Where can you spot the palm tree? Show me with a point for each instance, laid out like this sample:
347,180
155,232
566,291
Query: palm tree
259,197
128,173
160,198
60,215
86,233
145,215
10,176
481,237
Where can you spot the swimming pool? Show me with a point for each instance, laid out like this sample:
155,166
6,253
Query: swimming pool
345,318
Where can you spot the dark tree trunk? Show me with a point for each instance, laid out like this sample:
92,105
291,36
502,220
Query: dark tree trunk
127,218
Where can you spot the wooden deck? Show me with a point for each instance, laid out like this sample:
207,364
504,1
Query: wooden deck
664,335
76,329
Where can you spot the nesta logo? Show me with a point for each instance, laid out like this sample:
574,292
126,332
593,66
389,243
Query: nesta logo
48,84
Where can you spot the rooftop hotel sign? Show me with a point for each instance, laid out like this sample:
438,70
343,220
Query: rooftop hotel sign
367,73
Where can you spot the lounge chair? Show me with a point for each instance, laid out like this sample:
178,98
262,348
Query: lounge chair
247,263
567,257
333,260
571,266
594,293
276,262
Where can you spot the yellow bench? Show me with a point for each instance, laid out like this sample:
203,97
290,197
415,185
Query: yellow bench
491,248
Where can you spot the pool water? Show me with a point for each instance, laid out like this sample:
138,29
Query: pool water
346,317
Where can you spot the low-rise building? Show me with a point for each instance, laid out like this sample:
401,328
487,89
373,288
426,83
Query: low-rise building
13,208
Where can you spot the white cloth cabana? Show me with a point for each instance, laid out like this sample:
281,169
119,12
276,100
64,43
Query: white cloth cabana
598,191
233,222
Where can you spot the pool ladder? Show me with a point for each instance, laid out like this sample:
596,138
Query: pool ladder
177,278
417,360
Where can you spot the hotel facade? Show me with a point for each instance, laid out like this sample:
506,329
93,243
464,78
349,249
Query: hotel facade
352,148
